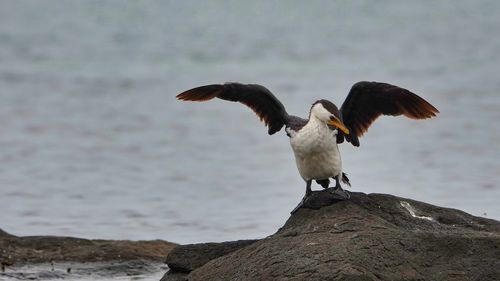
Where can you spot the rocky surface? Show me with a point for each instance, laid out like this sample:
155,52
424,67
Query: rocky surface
40,249
43,257
186,258
370,237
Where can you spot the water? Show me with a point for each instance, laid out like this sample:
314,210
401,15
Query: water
102,271
93,143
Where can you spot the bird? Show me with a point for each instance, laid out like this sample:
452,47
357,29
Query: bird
315,140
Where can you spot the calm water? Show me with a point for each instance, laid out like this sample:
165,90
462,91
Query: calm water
93,143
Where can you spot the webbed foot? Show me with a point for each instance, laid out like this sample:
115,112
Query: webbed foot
300,205
343,194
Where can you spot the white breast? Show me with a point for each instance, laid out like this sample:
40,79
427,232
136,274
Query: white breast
316,151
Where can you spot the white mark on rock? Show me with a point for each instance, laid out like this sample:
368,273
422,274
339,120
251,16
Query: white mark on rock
411,210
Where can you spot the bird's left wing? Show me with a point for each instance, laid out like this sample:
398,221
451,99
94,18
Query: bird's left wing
366,101
269,109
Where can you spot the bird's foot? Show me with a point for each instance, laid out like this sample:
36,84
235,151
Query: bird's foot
337,190
317,199
300,205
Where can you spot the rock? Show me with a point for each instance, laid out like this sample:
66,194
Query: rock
5,234
369,237
45,249
186,258
174,276
52,257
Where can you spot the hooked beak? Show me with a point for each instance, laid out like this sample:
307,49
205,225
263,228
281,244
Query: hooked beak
334,121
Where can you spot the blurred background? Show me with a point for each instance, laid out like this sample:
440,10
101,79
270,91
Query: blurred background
93,143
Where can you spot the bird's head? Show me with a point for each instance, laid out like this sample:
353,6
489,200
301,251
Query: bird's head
328,112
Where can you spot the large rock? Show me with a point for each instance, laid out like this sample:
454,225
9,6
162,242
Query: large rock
370,237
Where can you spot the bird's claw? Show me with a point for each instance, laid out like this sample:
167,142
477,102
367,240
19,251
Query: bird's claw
337,192
344,194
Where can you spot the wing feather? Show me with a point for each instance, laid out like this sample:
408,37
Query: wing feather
267,107
367,101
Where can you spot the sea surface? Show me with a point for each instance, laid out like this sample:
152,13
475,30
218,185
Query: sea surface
93,143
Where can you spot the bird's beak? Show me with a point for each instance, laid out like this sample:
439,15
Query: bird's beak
334,121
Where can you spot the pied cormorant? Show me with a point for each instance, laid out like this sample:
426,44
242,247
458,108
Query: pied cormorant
314,140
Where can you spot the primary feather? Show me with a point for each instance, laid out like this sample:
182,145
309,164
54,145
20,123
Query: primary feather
267,107
367,101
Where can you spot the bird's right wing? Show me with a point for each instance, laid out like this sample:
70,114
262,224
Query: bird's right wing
269,109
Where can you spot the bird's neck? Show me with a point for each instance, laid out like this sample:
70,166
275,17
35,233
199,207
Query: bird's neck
315,122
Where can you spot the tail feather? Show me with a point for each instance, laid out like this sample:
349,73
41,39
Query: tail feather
345,179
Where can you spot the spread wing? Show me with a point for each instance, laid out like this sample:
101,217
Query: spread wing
269,109
368,100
